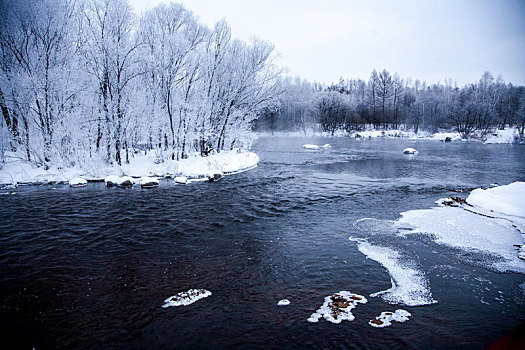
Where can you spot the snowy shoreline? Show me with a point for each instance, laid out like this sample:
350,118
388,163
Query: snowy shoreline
507,136
21,172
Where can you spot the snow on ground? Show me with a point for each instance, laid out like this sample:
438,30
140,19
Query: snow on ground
409,284
338,307
386,318
506,200
186,298
149,165
508,135
77,182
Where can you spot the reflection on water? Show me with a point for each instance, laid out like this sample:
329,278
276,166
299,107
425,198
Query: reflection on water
91,267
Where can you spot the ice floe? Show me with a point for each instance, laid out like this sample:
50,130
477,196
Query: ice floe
410,286
506,200
386,318
186,298
338,307
410,151
283,302
77,182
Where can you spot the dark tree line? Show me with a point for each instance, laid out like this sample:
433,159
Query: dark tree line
388,101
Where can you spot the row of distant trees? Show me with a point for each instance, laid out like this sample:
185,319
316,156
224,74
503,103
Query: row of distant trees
389,101
82,79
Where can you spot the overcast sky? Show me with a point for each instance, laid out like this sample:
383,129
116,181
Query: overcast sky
322,40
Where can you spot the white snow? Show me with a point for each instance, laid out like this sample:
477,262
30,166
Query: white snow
152,164
310,146
409,284
181,179
125,181
326,145
112,180
149,182
506,200
338,307
385,318
410,151
459,228
77,182
283,302
186,298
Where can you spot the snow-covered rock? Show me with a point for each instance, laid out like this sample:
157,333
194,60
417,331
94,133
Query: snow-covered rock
310,146
338,307
149,182
186,298
77,182
410,151
386,318
181,180
326,145
125,181
283,302
111,180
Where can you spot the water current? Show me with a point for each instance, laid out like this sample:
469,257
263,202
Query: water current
91,267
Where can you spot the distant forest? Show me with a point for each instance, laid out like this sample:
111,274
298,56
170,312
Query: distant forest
388,101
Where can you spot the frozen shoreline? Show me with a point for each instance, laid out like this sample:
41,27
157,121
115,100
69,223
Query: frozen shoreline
507,136
16,171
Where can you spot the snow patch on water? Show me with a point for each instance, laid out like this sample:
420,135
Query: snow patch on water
338,307
283,302
409,284
386,318
471,232
186,298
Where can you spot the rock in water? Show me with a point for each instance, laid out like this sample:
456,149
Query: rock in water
309,146
283,302
125,182
410,151
215,177
386,318
338,307
149,182
77,182
111,180
181,180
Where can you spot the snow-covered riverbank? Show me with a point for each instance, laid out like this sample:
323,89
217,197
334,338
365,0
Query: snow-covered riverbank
16,171
509,135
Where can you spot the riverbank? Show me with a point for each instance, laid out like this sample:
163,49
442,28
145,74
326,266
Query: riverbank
15,171
506,136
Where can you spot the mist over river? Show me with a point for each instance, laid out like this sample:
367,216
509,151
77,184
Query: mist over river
91,267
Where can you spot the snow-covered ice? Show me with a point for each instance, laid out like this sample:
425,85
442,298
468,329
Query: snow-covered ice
338,307
459,228
410,286
283,302
186,298
77,182
386,318
410,151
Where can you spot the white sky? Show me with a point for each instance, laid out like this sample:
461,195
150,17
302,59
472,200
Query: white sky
322,40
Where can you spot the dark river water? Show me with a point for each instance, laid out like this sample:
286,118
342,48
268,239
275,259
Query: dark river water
90,267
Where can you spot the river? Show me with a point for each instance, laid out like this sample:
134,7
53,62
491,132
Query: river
90,267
